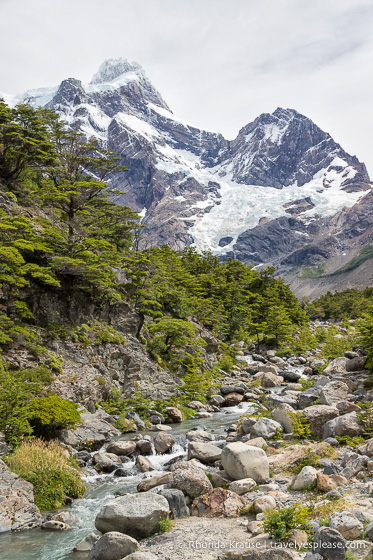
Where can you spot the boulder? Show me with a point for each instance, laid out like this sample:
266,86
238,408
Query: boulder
196,405
317,416
244,461
216,400
242,486
190,480
121,448
218,502
233,399
355,364
86,544
345,407
104,462
176,503
200,435
268,368
144,446
174,414
347,524
306,478
324,483
113,546
67,517
330,544
264,503
336,366
17,506
156,480
270,380
202,415
143,464
281,415
55,525
333,393
367,448
163,442
257,442
237,388
245,423
136,515
92,434
204,452
346,425
265,428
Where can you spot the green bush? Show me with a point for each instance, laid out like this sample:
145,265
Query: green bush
309,459
124,424
48,414
281,523
300,425
46,466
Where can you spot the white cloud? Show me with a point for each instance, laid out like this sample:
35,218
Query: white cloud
218,63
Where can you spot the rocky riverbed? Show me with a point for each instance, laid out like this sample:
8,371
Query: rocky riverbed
216,475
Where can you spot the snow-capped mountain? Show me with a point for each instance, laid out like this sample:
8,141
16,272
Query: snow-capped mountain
283,192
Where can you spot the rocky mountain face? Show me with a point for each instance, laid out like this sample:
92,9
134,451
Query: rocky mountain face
282,193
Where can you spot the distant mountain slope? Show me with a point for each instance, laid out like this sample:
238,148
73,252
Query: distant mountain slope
282,193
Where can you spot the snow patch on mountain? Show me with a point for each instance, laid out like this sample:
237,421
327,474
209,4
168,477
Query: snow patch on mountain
241,207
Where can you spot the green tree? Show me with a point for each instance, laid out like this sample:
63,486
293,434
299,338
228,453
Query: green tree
365,327
25,145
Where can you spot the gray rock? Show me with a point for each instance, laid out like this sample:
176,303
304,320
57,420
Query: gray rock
86,544
336,366
190,480
346,425
204,452
243,461
305,479
330,544
176,502
369,531
200,435
163,442
91,434
122,448
17,506
53,525
333,393
265,428
242,486
113,546
281,415
355,364
66,517
347,524
216,400
156,480
144,446
317,416
136,515
144,464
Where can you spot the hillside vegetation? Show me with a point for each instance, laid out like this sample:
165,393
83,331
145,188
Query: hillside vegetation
61,235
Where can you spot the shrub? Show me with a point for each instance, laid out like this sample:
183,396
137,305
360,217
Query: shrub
281,523
309,459
124,424
165,525
46,466
300,425
48,414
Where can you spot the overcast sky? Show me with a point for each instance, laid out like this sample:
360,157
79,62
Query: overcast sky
217,63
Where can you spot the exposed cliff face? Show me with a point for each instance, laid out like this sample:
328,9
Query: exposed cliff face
282,193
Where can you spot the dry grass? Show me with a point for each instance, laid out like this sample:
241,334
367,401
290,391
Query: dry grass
46,466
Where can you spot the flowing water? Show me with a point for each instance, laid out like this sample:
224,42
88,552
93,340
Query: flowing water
38,544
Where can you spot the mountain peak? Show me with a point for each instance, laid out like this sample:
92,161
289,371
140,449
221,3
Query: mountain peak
112,68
